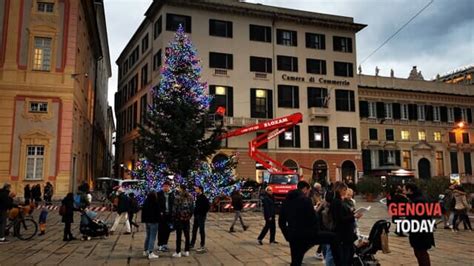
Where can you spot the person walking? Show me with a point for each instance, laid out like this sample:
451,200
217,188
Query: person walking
448,203
48,193
151,217
461,208
183,209
68,217
6,203
238,205
420,242
166,201
299,224
134,208
200,214
268,202
36,193
122,211
398,197
27,194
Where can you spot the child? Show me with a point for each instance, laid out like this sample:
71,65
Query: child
42,221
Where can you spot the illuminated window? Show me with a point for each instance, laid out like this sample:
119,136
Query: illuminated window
439,163
406,163
405,135
437,136
42,54
421,135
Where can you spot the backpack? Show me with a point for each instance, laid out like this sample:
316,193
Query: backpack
326,218
62,210
80,201
184,209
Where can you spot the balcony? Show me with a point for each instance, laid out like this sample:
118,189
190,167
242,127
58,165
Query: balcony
220,72
260,75
319,112
242,121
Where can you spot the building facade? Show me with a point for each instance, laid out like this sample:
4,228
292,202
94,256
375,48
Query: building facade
464,75
53,70
260,62
420,126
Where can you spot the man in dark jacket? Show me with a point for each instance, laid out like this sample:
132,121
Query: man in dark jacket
6,202
268,202
123,208
200,213
420,242
299,224
165,200
238,205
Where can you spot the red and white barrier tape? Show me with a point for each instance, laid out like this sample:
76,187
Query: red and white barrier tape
246,206
52,207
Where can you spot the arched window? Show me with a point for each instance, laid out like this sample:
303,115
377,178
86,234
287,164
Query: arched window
291,164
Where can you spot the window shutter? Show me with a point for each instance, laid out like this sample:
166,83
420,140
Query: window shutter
350,44
429,113
457,114
396,110
363,109
444,113
323,67
269,66
397,158
308,40
229,28
296,95
469,115
326,137
454,162
230,101
230,59
253,102
340,132
268,34
366,162
352,101
412,112
323,42
212,27
270,103
295,64
353,138
212,91
279,37
381,160
297,137
380,110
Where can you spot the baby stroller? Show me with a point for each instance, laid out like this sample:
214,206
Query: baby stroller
364,254
91,227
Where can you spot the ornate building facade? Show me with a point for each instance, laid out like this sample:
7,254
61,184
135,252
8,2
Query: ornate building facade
54,67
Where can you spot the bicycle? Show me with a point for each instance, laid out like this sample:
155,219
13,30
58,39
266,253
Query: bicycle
24,228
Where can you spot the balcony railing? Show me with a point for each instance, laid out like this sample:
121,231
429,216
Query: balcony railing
319,112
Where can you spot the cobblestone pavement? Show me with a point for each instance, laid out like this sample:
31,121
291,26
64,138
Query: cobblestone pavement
224,248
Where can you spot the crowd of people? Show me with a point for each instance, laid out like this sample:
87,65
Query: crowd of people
309,216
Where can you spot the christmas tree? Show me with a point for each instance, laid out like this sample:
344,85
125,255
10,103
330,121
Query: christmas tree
175,132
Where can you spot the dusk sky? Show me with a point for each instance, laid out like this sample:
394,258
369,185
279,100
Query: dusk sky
438,40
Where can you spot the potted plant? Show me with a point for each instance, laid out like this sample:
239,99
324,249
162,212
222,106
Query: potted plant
370,187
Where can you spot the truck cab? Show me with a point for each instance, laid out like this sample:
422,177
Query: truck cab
282,183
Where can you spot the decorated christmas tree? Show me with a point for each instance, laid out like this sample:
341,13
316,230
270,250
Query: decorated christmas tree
175,133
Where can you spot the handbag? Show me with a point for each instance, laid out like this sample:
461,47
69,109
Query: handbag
62,210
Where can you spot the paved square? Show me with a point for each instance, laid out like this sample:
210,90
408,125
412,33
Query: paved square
224,248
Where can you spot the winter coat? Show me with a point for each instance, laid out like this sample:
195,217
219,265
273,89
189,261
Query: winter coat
448,200
461,201
237,201
268,206
298,220
123,204
36,193
27,193
344,219
48,190
68,216
162,201
151,211
6,202
183,207
422,241
202,205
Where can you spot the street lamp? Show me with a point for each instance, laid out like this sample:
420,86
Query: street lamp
460,124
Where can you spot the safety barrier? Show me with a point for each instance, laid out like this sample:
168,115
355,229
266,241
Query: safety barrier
226,205
91,208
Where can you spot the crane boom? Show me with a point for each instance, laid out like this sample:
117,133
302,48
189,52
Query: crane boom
272,129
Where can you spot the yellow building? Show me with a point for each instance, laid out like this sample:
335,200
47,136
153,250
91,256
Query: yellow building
260,62
417,125
53,66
